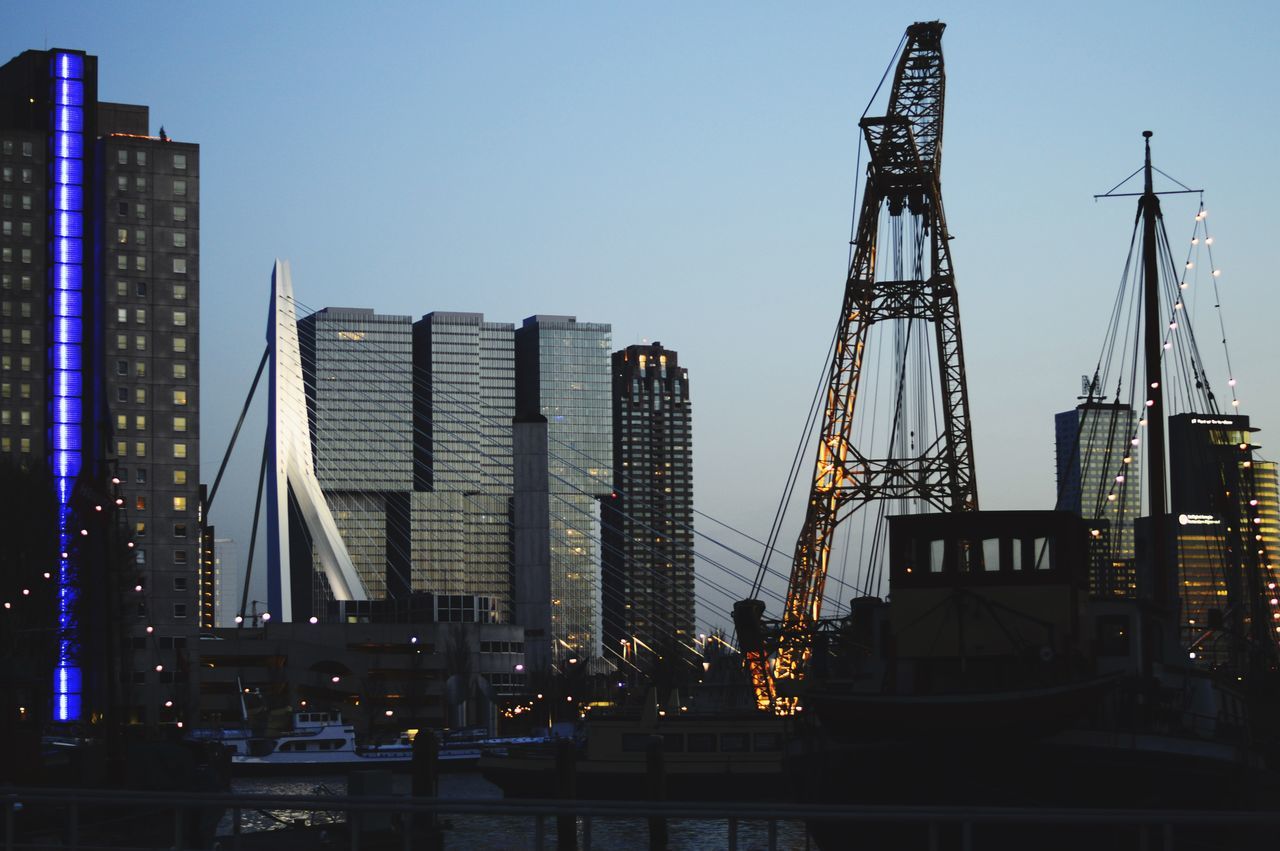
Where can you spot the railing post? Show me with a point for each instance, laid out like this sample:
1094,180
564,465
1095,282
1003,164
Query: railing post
773,834
733,833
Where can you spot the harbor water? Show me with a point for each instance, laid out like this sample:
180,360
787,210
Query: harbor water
504,833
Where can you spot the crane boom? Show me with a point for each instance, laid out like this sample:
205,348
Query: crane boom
905,149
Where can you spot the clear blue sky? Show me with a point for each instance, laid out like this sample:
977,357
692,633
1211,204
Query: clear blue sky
686,172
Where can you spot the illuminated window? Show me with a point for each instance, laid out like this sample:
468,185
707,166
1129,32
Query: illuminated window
122,289
179,187
179,370
179,239
122,448
122,236
179,317
140,343
122,157
179,504
180,344
140,449
140,210
6,417
122,314
6,444
179,423
140,237
141,157
140,369
140,422
24,418
140,395
122,183
179,397
140,183
180,162
140,529
179,265
122,341
179,477
24,445
122,261
140,316
179,450
179,292
140,263
122,422
179,214
140,503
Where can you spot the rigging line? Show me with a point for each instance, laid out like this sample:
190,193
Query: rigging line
1121,183
1174,179
1217,302
253,534
222,468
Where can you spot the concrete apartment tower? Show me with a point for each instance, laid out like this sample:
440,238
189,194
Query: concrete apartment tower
99,350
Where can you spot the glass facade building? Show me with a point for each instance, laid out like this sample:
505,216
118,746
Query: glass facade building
648,576
464,375
1098,480
563,377
357,368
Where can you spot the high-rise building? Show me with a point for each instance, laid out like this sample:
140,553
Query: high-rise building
99,345
1099,480
227,589
564,466
357,367
648,574
1219,488
464,400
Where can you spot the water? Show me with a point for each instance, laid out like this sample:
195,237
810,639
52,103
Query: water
506,833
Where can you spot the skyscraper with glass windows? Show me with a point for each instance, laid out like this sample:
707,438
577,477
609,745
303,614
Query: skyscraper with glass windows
563,392
99,348
648,575
464,378
1099,480
357,368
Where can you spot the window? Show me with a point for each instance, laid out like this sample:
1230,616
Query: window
26,149
122,448
140,342
179,530
24,335
6,228
26,255
122,289
24,445
140,449
140,395
140,263
122,341
179,423
26,175
122,394
179,370
122,261
6,444
8,174
180,162
179,187
26,228
180,556
24,390
180,344
141,477
140,422
122,208
179,504
179,265
140,237
179,292
140,316
140,289
6,417
179,214
122,314
179,397
179,450
139,529
24,418
140,210
122,183
26,202
179,239
179,477
179,317
140,557
122,422
122,157
179,610
180,583
140,157
140,183
24,363
140,503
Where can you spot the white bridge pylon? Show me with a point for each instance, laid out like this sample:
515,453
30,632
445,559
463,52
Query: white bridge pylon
290,457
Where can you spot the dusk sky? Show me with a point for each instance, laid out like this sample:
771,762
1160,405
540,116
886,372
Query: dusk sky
687,173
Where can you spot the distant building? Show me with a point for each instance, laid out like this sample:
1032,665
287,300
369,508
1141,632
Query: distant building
464,400
227,579
648,573
564,466
1228,502
357,366
1099,480
99,361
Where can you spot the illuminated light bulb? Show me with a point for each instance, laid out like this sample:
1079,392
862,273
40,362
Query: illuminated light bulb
46,574
1168,345
150,630
129,545
1191,655
137,588
266,616
1111,497
1235,403
1217,273
1231,382
1182,285
1155,384
84,532
1190,264
64,555
168,704
97,508
335,679
1173,326
1128,458
1274,601
26,592
8,605
314,619
1253,502
1150,402
1271,586
1143,422
1177,305
119,500
239,619
1208,240
1120,478
1134,442
1195,240
115,480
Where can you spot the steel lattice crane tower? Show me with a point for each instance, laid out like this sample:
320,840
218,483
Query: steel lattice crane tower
902,180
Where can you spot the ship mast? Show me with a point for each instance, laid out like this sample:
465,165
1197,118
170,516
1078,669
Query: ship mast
1149,212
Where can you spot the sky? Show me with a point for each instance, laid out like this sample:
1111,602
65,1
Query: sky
687,172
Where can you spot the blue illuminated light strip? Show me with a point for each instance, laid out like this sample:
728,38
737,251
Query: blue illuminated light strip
66,179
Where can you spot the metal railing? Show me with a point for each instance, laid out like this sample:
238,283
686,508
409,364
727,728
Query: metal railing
71,820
